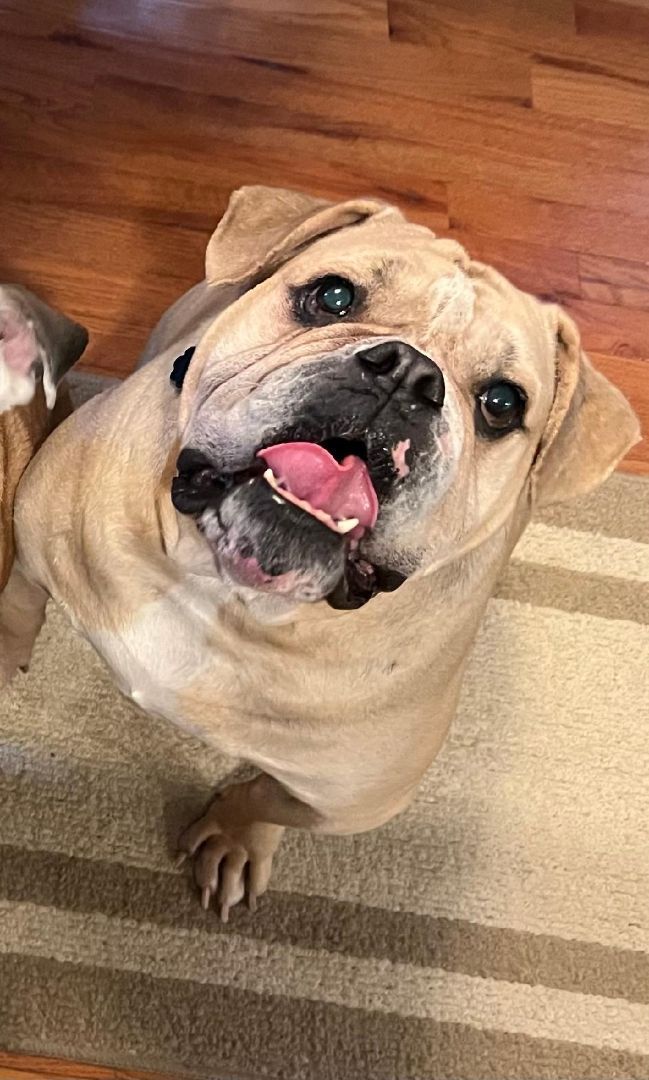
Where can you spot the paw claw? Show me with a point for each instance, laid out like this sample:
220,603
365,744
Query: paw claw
180,860
230,860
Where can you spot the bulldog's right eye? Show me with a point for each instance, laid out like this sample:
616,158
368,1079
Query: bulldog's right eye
335,296
328,298
501,407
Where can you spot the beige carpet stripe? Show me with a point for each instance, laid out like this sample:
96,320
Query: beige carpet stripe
571,590
619,508
377,986
44,1003
320,923
550,808
584,553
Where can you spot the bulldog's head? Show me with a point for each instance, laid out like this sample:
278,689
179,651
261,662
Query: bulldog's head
370,402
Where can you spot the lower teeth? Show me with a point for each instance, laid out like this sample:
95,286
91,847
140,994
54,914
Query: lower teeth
344,526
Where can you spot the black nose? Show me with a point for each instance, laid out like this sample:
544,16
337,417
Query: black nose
407,366
197,482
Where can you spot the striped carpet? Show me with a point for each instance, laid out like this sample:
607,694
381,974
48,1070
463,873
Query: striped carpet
498,929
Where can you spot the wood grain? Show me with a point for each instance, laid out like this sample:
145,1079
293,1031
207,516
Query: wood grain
498,210
524,133
26,1067
618,282
122,135
609,19
591,96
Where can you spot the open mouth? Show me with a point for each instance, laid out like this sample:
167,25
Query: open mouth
329,481
299,506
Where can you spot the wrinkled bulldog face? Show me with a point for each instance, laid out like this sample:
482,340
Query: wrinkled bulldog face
368,410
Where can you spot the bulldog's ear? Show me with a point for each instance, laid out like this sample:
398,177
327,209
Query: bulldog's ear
36,341
590,428
263,227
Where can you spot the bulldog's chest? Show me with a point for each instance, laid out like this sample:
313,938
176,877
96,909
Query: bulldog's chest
187,658
167,646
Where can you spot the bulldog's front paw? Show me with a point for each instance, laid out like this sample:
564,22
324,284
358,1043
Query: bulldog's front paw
230,860
18,354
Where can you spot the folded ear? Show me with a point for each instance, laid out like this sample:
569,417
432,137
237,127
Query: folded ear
35,341
590,428
264,227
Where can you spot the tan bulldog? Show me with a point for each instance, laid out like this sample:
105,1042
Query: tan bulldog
290,551
37,347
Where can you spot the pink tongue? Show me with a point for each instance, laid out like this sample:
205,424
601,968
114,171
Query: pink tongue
312,474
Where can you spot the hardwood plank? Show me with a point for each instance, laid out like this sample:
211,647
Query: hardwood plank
493,21
600,98
266,142
611,19
193,23
195,196
134,269
547,272
28,1067
296,118
541,157
580,35
78,79
497,210
615,331
614,281
31,179
325,46
110,244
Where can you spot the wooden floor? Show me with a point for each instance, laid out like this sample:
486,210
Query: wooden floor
519,126
20,1067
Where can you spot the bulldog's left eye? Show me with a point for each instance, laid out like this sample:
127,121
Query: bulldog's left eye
501,407
329,297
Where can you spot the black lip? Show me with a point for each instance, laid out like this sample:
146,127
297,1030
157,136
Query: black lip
190,499
360,582
198,484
